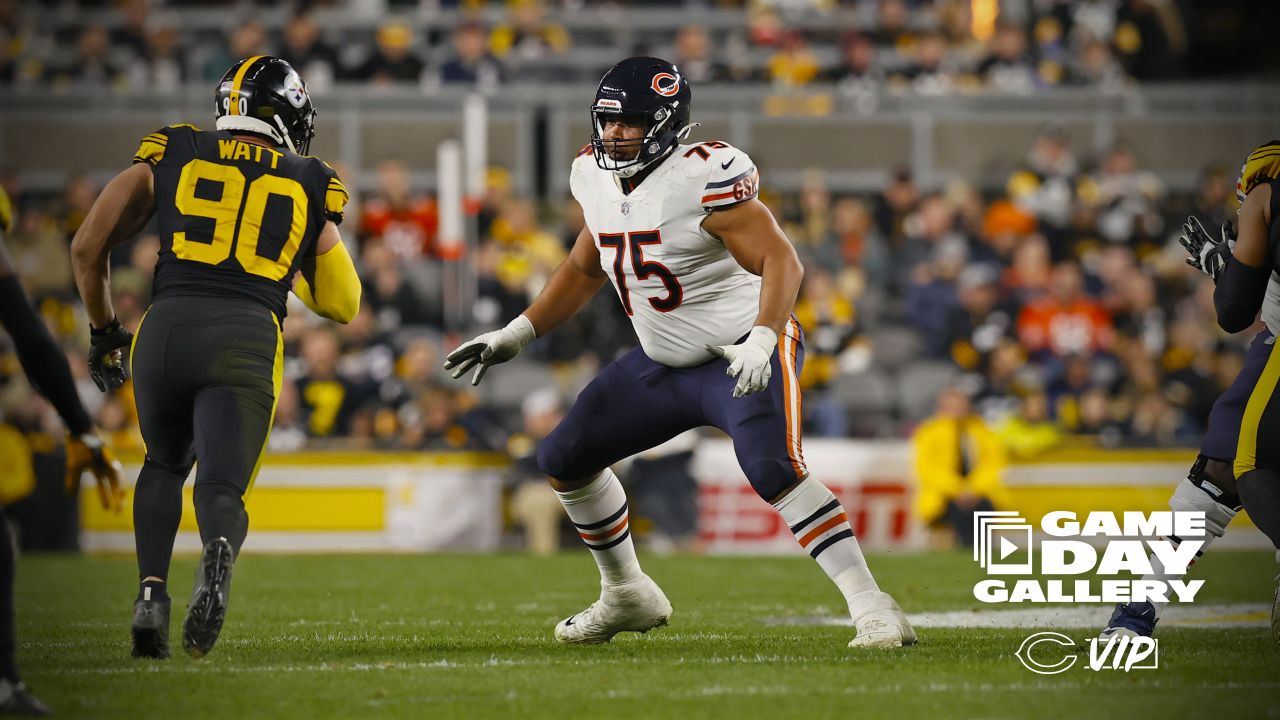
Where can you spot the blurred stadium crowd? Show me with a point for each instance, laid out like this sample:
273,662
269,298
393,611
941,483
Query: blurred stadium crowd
928,46
1059,302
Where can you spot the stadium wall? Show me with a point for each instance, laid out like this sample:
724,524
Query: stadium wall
335,502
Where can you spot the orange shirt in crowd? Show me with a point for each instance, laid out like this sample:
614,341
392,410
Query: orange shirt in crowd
1077,326
408,231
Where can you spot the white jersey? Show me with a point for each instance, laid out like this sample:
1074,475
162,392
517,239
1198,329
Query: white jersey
679,284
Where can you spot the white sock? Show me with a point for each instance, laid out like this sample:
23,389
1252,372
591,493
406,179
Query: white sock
599,511
821,527
1188,497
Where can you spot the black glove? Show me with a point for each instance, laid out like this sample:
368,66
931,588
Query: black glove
106,356
1208,254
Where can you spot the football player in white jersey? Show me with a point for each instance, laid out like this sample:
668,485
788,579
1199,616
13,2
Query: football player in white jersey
709,281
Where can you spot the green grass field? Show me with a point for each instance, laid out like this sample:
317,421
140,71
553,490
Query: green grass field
372,636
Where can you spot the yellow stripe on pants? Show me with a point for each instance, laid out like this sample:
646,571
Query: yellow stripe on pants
1259,399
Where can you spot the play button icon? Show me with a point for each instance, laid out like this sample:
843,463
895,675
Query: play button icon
1007,547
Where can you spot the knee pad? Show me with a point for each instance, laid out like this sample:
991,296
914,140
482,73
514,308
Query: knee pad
770,477
1217,479
1188,497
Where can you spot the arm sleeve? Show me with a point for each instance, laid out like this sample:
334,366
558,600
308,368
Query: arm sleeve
44,362
329,285
731,177
1238,295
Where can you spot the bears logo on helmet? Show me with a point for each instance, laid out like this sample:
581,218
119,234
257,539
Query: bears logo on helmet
665,84
641,87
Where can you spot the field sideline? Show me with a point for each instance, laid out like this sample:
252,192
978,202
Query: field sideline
452,636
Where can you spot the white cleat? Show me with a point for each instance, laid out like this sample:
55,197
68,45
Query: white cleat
1113,633
880,622
636,606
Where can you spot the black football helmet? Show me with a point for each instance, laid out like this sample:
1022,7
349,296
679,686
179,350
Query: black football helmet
646,87
265,96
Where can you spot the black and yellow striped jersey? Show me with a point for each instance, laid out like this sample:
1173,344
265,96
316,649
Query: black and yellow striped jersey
235,218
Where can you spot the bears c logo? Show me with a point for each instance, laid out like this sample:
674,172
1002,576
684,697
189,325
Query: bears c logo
665,84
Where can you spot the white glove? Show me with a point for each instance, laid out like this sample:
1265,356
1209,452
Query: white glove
491,348
749,360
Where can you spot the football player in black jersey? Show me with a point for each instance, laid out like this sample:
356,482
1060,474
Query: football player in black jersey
244,216
47,369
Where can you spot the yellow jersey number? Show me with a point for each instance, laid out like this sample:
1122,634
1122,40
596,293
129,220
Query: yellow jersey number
226,209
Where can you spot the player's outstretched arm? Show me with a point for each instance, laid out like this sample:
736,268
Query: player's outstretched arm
120,211
1243,281
328,283
577,279
753,237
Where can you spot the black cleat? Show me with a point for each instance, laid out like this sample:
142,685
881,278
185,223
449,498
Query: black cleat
15,699
208,606
151,629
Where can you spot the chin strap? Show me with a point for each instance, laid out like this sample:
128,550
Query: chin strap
684,131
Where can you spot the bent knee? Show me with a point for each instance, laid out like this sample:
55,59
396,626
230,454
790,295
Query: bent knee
770,477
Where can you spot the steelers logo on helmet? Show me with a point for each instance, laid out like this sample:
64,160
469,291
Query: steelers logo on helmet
294,90
647,88
265,96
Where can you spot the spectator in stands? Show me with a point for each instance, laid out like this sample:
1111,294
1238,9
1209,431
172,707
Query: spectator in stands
1214,203
393,59
830,322
892,30
313,58
665,492
933,292
895,203
1007,67
858,71
1097,66
471,62
958,465
1127,199
527,253
163,66
328,400
528,35
92,65
1030,432
1045,184
925,233
978,322
1065,321
130,35
927,73
390,295
693,56
533,503
404,222
793,64
247,40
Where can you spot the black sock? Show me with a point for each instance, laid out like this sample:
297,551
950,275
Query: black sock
153,590
157,510
220,513
1259,491
8,658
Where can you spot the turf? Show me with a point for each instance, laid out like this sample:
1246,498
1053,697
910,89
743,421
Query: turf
373,636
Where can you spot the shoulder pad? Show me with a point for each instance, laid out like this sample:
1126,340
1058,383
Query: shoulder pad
1262,165
729,176
151,149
